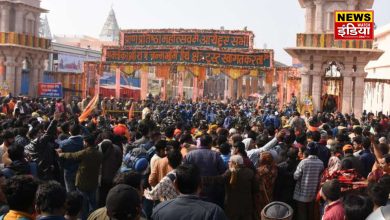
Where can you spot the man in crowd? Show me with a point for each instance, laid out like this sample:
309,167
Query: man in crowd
20,194
90,159
188,205
307,175
210,163
50,201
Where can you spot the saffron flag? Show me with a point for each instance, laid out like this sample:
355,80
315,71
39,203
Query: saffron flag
90,107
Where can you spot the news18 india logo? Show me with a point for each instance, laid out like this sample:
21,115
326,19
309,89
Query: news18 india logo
354,25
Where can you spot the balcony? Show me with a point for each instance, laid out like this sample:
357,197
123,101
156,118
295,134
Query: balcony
33,3
328,41
24,40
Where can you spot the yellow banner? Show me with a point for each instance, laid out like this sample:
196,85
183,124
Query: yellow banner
354,16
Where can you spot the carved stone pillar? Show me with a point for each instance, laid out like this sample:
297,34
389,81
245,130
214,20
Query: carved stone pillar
37,24
35,77
316,92
347,94
305,84
309,6
18,79
4,25
319,26
19,21
358,95
10,73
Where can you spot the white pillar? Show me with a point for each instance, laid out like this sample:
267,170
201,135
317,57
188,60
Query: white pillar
18,79
347,95
37,24
316,92
305,85
34,78
4,25
319,17
309,17
10,74
358,96
19,20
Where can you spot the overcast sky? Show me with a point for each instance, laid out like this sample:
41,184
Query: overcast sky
274,22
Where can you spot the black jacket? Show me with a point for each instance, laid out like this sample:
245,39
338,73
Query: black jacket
42,152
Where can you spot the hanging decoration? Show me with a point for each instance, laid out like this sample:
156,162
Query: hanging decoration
216,71
162,71
180,68
254,73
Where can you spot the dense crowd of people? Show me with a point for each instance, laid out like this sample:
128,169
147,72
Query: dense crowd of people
240,160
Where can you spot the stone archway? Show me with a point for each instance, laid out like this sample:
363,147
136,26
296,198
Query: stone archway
332,84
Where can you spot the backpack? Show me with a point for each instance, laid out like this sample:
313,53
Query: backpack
133,156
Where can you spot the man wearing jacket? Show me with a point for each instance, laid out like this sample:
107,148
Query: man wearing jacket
87,177
209,163
187,205
42,152
72,144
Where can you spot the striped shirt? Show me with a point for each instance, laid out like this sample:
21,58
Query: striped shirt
307,175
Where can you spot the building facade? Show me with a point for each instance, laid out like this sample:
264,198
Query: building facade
65,65
22,51
377,84
332,69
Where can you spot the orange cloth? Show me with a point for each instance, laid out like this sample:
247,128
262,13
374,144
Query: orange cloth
159,170
12,215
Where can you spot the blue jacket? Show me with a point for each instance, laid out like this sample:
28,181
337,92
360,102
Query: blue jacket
209,163
70,145
368,159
